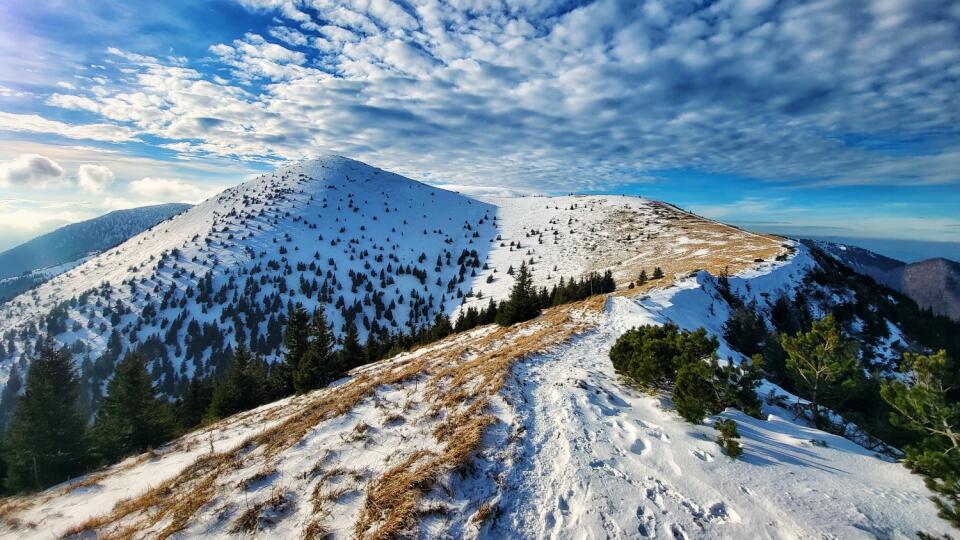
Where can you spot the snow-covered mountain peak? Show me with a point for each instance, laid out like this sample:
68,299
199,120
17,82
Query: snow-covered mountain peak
331,232
521,431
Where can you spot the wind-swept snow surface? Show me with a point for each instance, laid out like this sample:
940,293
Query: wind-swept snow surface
523,432
602,460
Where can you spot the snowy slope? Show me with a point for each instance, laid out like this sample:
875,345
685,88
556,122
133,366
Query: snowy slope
519,432
76,240
335,233
334,222
564,449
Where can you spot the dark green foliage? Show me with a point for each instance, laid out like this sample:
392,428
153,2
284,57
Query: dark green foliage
746,330
651,355
703,389
194,402
823,365
351,352
642,278
131,418
693,392
9,396
657,356
523,303
925,407
296,337
728,438
242,388
317,366
723,287
46,438
657,273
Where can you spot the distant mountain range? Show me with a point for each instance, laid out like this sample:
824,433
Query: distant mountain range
46,256
934,283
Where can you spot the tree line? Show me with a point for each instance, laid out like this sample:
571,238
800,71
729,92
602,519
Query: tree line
49,438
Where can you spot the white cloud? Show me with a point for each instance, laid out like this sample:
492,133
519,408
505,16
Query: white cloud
526,94
487,191
31,170
79,103
94,178
169,190
33,123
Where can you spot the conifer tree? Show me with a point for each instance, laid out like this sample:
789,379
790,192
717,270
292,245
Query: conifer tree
196,399
46,439
657,273
296,338
523,303
242,388
926,407
9,397
315,368
131,418
351,352
822,364
642,278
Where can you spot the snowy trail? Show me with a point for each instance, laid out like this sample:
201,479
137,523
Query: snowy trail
603,460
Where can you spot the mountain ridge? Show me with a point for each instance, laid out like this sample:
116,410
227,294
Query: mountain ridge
75,240
933,283
521,431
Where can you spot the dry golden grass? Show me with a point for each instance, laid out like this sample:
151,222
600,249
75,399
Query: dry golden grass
316,530
711,246
482,513
251,519
454,380
463,389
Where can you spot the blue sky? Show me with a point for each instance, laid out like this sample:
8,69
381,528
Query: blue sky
831,117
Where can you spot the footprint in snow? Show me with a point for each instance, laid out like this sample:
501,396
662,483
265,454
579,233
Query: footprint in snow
648,425
648,523
659,435
702,454
638,447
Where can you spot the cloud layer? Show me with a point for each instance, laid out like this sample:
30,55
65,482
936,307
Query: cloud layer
536,94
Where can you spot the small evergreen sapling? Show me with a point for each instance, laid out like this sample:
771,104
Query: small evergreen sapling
728,438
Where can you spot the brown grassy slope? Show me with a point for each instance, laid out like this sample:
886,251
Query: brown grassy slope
458,376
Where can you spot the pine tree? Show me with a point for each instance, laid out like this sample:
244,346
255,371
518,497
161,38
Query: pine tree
822,364
9,397
746,330
657,273
315,367
296,338
523,303
46,439
694,394
926,407
642,278
131,418
243,387
196,399
351,352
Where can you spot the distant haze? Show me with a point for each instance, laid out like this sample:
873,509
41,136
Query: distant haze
903,250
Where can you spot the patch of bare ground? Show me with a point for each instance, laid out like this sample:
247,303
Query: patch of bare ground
451,383
690,243
461,391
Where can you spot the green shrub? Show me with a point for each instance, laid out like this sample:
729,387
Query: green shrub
651,355
728,438
658,357
694,394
